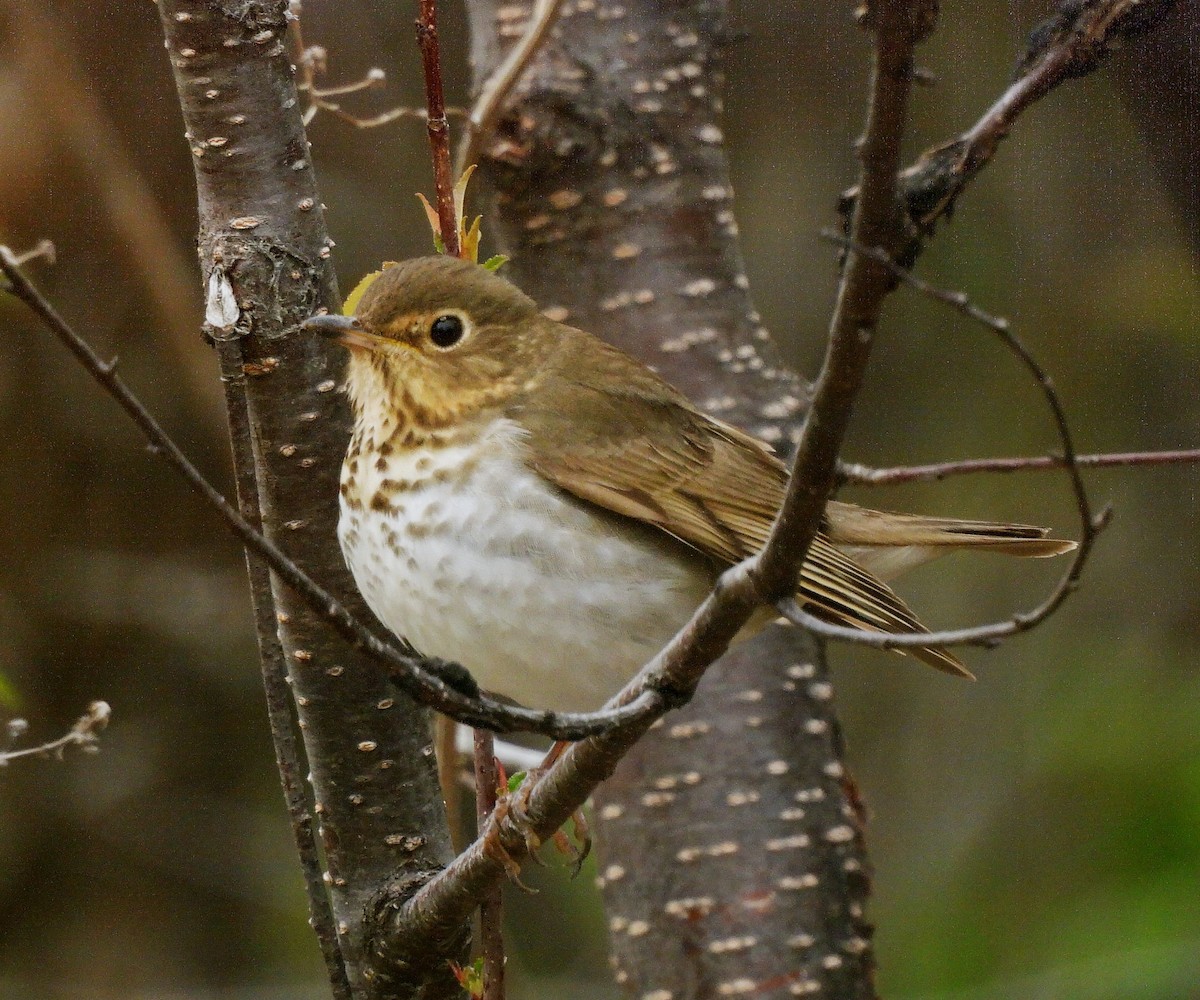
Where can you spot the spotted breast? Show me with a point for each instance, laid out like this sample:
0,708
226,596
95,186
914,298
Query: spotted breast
458,546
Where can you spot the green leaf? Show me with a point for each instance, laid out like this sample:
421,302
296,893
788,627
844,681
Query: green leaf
514,781
470,977
494,263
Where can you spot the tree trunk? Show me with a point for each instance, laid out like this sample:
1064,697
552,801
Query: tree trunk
730,839
264,254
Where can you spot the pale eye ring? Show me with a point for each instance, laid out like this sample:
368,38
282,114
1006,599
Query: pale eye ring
447,331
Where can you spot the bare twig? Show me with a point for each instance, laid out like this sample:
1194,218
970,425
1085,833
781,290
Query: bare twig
491,915
42,250
864,285
374,77
423,679
439,127
311,61
1090,524
318,97
490,103
1074,43
383,118
85,735
866,475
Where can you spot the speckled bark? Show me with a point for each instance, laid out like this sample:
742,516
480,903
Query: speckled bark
732,857
730,848
608,185
264,257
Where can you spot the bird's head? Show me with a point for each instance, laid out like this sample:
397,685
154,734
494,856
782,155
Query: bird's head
437,340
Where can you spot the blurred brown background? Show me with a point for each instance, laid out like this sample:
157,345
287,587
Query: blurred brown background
1036,834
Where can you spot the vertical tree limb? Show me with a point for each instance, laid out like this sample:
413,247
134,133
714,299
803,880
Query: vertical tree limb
610,189
264,254
730,842
289,755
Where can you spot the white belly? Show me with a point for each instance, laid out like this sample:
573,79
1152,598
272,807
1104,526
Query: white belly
543,598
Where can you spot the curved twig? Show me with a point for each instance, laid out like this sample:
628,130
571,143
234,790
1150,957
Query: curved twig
1090,524
490,104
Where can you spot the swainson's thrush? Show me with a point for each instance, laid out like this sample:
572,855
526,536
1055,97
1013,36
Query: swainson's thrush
522,498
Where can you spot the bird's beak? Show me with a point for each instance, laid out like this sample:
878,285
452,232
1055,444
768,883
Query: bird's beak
346,330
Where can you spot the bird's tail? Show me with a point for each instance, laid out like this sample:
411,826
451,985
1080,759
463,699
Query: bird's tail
889,544
843,582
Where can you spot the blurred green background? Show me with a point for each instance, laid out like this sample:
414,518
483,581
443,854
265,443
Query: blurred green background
1036,834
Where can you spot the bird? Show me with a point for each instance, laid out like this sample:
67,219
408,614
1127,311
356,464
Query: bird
522,498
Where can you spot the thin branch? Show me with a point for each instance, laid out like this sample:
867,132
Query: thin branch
1074,43
374,77
511,756
867,475
311,61
443,902
490,104
434,683
1090,524
865,283
383,118
491,915
439,127
85,735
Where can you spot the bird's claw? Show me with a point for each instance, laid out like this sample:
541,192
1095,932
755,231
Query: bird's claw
493,846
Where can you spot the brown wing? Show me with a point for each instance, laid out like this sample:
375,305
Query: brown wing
610,431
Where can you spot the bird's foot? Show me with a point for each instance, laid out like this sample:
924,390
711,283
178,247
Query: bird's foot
519,809
512,813
493,846
583,835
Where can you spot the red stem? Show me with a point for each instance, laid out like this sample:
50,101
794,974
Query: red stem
491,932
439,127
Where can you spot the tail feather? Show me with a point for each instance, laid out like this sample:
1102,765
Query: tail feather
843,583
847,524
942,659
889,544
835,588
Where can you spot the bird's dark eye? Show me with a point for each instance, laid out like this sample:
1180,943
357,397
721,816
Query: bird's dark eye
446,331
